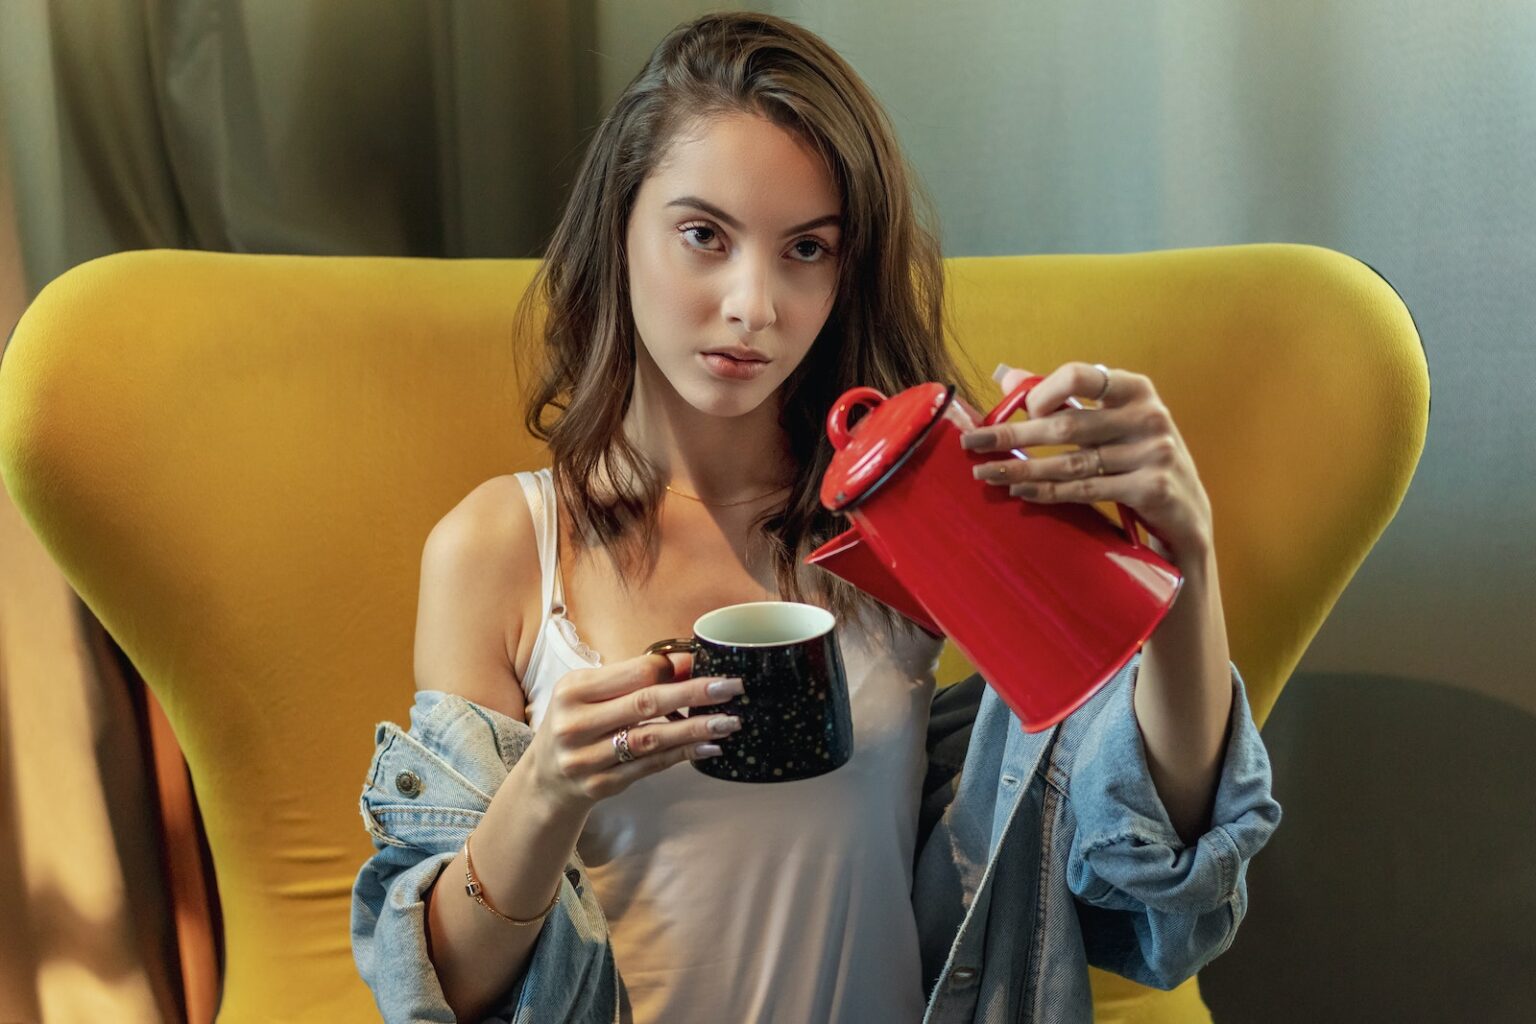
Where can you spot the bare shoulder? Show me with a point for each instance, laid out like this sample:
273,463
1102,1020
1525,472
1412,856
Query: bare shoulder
477,566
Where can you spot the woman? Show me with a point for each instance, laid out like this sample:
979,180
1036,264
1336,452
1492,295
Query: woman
739,248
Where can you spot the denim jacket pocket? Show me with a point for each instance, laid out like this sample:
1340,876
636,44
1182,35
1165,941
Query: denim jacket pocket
414,798
429,829
381,835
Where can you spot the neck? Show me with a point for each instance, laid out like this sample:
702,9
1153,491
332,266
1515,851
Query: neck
714,458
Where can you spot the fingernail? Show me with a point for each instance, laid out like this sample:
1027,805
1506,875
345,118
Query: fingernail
724,688
706,750
724,725
977,439
1001,372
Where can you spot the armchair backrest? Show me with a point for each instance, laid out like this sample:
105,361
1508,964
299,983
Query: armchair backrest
235,460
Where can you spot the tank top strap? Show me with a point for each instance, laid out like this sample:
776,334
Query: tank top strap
538,489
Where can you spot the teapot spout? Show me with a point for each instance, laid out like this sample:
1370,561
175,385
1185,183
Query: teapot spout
850,556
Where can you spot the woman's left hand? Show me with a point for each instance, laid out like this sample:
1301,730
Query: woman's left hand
1145,464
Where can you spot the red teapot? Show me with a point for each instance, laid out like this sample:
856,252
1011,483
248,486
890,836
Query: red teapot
1047,601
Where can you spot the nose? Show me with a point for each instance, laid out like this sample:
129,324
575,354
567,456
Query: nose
749,299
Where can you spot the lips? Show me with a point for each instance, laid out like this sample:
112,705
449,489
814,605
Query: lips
725,367
741,355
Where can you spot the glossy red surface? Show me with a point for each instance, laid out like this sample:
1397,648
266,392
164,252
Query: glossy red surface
1048,601
868,450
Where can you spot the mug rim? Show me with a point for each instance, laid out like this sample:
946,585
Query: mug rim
829,624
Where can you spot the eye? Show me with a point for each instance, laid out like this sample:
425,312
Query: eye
688,230
819,253
702,234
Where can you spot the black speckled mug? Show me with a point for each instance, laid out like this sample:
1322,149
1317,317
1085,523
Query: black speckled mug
795,720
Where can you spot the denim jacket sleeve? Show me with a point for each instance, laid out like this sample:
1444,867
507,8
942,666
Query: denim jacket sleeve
427,787
1152,908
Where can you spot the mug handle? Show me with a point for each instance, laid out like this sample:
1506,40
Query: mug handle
677,645
1014,401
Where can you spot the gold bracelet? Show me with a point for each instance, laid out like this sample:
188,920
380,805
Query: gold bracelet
477,892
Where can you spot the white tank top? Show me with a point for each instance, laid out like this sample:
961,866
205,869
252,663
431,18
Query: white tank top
788,902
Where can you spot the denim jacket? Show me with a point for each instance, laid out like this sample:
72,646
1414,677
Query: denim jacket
1053,852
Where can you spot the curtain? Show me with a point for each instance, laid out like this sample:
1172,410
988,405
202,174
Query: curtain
80,940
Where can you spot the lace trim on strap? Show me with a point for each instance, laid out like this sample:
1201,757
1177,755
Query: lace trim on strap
567,630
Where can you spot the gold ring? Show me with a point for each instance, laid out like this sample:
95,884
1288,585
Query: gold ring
1098,454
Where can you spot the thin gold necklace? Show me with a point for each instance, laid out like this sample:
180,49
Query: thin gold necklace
725,504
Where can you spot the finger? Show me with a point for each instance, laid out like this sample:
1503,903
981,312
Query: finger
1129,489
1083,380
1075,465
1009,377
609,716
621,776
682,664
609,681
654,738
1069,426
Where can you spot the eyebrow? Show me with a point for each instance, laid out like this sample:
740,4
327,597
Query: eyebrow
715,211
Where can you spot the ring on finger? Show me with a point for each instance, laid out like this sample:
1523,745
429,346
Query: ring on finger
1098,455
621,745
1105,389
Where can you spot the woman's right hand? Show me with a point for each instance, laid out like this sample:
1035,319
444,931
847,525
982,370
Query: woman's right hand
575,760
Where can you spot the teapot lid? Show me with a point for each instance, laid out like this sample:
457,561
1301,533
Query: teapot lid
872,450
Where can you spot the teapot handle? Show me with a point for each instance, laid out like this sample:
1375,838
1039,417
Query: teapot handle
837,419
1014,401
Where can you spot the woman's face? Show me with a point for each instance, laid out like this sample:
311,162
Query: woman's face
731,244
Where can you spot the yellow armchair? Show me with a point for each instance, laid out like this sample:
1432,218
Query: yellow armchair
235,460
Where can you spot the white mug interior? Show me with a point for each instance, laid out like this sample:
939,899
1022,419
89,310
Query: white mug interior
764,624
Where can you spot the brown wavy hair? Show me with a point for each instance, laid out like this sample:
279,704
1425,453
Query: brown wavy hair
887,327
